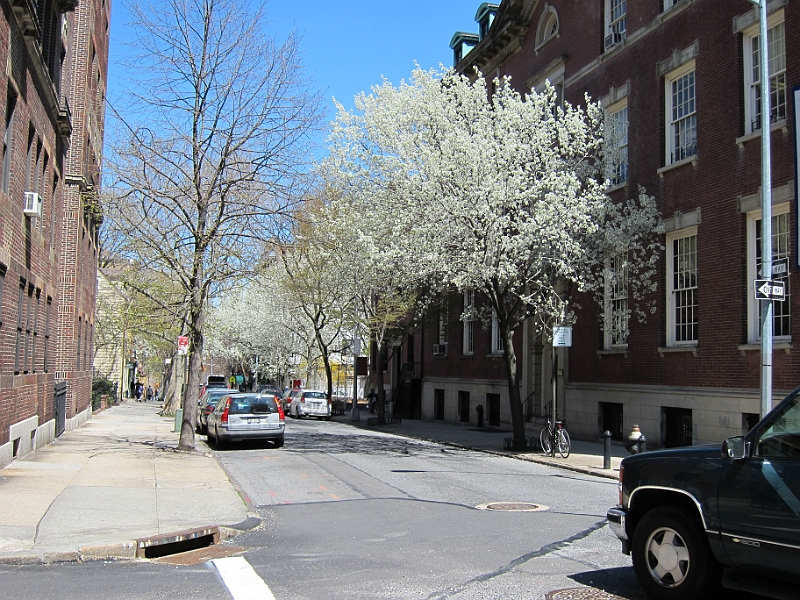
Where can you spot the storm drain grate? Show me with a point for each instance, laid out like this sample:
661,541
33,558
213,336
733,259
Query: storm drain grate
165,544
581,594
512,506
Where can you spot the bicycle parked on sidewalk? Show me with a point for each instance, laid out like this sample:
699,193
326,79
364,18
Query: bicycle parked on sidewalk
559,439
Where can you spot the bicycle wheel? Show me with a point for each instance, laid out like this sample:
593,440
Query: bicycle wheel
546,440
564,444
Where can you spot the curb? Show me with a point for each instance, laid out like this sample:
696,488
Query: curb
607,474
117,551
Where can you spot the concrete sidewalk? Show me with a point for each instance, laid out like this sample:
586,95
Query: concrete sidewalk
98,488
585,457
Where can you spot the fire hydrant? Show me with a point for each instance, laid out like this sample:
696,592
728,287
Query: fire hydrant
636,441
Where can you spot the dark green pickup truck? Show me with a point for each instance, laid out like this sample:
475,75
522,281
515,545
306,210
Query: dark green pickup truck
700,518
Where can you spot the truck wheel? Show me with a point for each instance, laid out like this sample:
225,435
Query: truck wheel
671,558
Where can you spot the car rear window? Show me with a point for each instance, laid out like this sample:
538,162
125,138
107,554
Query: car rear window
252,405
321,395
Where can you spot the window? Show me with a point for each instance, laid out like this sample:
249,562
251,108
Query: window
548,26
670,3
8,136
555,77
18,341
485,17
776,49
469,322
2,287
442,325
617,145
617,314
498,344
682,300
616,12
681,111
781,240
28,330
35,328
80,330
45,350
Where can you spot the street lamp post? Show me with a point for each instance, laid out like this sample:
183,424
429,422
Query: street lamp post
766,210
356,352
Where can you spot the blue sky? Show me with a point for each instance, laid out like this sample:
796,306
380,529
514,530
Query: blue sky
349,45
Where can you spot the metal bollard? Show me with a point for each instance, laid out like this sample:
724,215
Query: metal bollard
606,449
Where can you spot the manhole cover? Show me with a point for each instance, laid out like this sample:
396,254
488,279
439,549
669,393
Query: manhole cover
581,594
512,506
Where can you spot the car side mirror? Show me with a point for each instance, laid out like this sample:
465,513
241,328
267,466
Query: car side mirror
735,448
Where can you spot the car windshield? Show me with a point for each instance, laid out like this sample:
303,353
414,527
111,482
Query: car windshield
321,395
212,397
252,405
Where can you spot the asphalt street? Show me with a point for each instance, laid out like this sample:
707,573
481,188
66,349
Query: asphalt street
354,513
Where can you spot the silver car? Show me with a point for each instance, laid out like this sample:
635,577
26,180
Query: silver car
206,405
311,403
241,417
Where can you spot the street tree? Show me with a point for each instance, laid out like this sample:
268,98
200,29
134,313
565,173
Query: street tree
207,145
384,288
312,278
469,187
252,326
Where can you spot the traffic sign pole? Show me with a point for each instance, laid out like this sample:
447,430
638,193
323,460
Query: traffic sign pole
766,208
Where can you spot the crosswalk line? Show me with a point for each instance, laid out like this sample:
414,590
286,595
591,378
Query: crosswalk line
241,580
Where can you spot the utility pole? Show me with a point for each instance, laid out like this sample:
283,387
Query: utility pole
766,307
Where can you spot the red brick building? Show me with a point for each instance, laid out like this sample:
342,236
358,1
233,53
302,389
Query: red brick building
679,80
56,52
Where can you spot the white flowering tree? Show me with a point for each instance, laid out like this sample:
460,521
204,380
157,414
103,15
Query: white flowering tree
499,193
258,320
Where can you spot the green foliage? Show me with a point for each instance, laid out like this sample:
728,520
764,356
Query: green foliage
101,386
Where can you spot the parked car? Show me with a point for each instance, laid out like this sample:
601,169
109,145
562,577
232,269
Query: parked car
311,403
264,388
695,518
239,417
207,403
287,398
214,382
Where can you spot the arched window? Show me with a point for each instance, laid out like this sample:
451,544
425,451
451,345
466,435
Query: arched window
548,25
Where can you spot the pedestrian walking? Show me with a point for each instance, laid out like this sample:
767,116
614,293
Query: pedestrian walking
138,391
149,393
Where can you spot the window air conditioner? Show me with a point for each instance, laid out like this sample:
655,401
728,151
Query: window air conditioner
439,349
33,205
613,39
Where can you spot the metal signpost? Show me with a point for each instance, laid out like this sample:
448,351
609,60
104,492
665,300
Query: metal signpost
766,209
562,338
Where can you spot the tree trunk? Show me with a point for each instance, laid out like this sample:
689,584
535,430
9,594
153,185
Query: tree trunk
381,389
196,322
172,390
517,413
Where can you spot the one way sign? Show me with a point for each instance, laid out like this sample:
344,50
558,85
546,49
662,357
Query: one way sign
769,290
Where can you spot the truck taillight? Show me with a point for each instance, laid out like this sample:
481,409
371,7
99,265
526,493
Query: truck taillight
281,414
224,417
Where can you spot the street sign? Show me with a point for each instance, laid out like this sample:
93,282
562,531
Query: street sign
780,269
562,337
769,290
183,344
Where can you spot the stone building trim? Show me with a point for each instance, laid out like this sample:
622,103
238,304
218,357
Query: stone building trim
781,194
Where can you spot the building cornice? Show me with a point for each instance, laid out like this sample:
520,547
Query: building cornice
505,37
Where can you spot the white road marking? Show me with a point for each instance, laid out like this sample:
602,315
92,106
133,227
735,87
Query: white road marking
242,581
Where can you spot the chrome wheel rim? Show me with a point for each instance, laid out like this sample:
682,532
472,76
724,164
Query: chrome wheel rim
667,557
